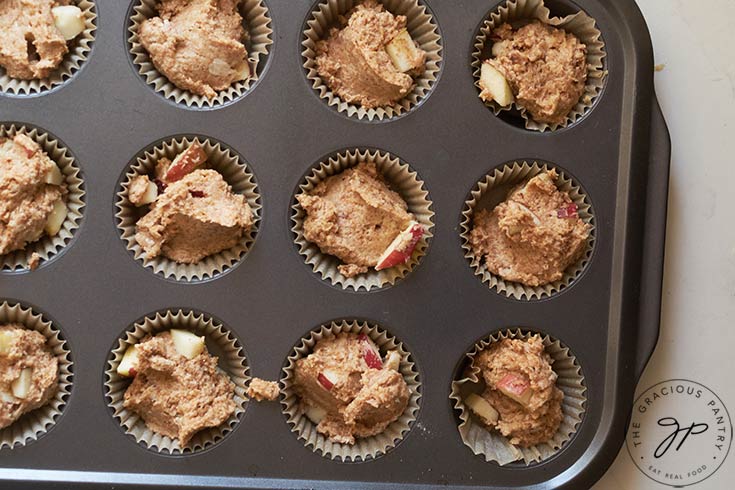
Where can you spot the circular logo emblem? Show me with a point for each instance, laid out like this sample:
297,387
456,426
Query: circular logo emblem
680,432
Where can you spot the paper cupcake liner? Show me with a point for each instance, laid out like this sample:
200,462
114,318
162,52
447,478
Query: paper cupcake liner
493,445
235,173
30,426
220,342
401,179
79,49
579,24
48,247
421,26
257,23
492,190
364,449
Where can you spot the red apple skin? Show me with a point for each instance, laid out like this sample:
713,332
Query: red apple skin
185,163
392,256
516,388
324,381
372,358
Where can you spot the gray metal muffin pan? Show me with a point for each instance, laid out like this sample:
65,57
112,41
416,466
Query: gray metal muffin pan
93,291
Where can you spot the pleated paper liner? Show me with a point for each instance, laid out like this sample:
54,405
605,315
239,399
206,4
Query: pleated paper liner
220,158
220,343
30,426
257,24
79,49
401,179
579,24
364,449
421,26
491,191
491,444
48,247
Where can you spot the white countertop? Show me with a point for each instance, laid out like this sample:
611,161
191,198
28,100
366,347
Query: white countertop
695,40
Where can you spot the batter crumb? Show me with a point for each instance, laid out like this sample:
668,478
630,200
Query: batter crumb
260,390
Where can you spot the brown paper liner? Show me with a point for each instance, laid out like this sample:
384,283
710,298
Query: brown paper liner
492,190
579,24
257,23
30,426
235,173
421,26
220,342
493,445
402,180
48,247
364,449
79,49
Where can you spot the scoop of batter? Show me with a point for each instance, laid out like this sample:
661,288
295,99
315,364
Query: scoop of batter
24,353
195,217
533,236
353,61
354,216
197,44
26,198
538,418
545,66
360,397
176,396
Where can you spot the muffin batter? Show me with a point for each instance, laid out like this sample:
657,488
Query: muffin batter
353,61
533,236
193,218
260,390
354,216
197,44
26,198
351,389
31,46
545,66
539,418
24,354
176,396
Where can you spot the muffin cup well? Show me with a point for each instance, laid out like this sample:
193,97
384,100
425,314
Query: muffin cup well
220,342
236,174
421,26
79,49
30,426
491,191
257,23
364,449
493,445
579,24
401,179
47,247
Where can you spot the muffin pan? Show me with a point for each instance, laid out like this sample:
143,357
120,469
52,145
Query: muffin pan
618,152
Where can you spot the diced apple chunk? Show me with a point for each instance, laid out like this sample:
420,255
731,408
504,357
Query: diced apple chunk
56,218
495,86
404,53
149,196
22,384
392,360
6,397
315,413
54,176
69,20
370,352
129,362
327,379
7,339
185,163
402,247
482,408
186,343
515,387
242,71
